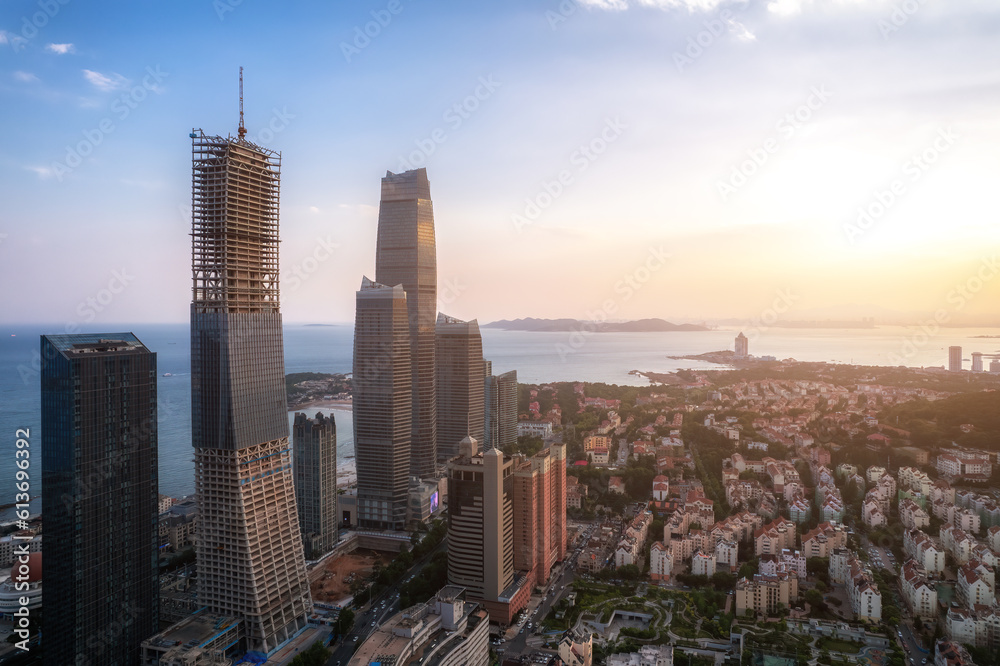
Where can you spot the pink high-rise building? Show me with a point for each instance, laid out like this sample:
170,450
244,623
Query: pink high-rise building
540,512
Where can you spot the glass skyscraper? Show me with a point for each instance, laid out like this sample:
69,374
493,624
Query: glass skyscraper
99,498
460,384
249,549
315,444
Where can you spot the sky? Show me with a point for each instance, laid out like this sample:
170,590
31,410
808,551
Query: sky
695,160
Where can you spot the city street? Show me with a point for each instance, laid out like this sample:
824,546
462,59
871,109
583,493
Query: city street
342,650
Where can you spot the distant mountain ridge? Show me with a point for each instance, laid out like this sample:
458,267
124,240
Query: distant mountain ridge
557,325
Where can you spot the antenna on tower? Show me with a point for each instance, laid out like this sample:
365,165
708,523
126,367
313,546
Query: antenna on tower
243,130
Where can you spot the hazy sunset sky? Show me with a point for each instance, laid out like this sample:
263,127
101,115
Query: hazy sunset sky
714,153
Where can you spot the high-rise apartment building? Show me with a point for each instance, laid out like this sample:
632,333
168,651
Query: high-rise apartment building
742,346
315,460
406,255
955,359
500,397
460,384
540,512
382,405
977,361
99,497
481,530
249,549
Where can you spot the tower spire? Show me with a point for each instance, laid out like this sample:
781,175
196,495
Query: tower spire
242,130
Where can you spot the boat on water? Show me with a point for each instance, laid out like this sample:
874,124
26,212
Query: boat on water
168,374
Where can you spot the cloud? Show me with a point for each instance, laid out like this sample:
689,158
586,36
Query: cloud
14,40
313,209
26,77
791,7
690,5
43,172
61,49
104,82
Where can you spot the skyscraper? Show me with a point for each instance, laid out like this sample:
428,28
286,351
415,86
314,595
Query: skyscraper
977,361
540,511
99,497
315,460
406,255
382,405
249,550
955,359
460,384
742,346
500,397
481,530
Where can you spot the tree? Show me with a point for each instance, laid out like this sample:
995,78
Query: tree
345,622
315,655
815,600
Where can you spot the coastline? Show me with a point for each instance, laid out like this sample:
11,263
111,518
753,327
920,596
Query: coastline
343,405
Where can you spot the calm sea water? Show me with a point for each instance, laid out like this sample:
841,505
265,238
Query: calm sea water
537,357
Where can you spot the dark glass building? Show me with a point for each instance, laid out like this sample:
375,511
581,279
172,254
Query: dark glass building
315,459
381,405
99,498
460,384
250,557
406,254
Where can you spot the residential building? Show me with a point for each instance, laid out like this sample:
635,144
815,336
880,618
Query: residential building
539,508
766,594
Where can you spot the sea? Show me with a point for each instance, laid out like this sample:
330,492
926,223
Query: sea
538,357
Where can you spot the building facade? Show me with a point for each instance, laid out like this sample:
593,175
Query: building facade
540,511
460,384
99,496
382,405
250,558
406,254
501,410
315,460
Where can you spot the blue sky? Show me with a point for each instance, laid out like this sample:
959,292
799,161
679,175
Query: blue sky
685,159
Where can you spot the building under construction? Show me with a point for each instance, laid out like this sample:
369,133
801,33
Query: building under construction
249,549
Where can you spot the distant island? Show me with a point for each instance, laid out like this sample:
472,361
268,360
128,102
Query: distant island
557,325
